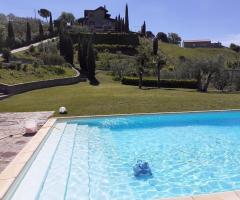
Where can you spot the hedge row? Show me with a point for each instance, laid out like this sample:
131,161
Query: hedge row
166,83
108,38
114,48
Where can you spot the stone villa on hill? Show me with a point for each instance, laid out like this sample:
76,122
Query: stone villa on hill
98,20
201,44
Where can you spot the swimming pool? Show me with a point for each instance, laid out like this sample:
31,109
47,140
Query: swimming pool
93,158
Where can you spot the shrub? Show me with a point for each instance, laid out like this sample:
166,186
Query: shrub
167,83
32,49
18,65
48,47
56,70
39,61
52,59
25,67
6,54
67,65
13,65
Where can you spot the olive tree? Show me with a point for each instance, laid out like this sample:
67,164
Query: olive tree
221,79
204,70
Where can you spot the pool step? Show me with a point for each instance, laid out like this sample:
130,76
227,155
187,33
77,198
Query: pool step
58,173
36,173
78,183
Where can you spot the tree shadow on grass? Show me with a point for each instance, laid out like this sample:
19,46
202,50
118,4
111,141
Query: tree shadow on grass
94,82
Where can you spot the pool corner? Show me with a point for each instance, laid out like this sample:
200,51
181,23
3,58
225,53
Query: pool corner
10,174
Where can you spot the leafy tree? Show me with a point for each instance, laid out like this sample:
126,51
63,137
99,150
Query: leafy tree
155,46
163,37
50,29
40,29
143,29
11,36
149,34
205,69
6,54
126,19
174,38
67,17
221,79
44,13
235,47
158,59
161,61
28,34
91,62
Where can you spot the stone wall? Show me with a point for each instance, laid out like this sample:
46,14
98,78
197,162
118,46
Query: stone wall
24,87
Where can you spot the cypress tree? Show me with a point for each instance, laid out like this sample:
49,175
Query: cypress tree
82,56
41,32
50,29
11,34
62,44
143,29
91,64
28,33
69,50
122,25
119,23
1,38
116,24
155,46
126,19
10,40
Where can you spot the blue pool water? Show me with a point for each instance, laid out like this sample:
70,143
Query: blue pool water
93,158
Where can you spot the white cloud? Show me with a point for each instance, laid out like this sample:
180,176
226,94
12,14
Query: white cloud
228,39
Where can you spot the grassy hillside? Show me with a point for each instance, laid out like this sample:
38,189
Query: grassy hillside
9,76
173,52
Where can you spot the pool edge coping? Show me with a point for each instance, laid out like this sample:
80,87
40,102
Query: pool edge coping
11,173
139,114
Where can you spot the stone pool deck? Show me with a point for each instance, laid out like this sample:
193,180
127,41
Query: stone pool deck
12,138
233,195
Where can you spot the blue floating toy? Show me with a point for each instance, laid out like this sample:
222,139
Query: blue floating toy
142,169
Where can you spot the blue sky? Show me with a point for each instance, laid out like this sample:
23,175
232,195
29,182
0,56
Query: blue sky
192,19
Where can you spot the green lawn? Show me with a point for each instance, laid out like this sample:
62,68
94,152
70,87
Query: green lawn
113,98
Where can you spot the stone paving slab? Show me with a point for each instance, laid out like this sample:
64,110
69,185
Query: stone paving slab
12,138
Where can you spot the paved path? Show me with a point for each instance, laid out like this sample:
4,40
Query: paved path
13,124
27,47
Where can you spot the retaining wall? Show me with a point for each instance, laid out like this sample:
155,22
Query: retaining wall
24,87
